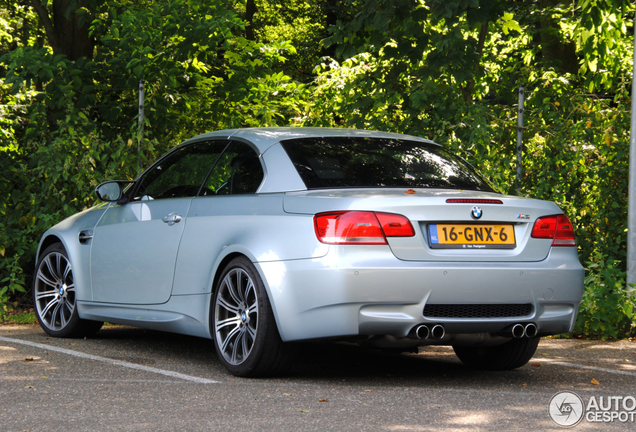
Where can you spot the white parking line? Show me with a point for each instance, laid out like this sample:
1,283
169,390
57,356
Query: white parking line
595,368
111,361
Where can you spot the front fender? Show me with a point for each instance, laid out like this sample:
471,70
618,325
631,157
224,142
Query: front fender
67,232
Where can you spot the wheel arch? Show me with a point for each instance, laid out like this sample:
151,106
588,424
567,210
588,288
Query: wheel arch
221,266
218,270
47,241
78,256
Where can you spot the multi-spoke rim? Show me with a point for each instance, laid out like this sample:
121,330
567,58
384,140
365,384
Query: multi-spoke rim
236,316
55,291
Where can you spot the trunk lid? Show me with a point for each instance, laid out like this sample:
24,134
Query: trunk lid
429,210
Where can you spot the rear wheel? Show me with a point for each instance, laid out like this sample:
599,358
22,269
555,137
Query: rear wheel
510,355
54,296
245,333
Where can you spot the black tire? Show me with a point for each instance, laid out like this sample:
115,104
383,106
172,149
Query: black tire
54,298
510,355
243,327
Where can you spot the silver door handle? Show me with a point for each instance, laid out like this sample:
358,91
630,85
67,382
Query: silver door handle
85,236
172,218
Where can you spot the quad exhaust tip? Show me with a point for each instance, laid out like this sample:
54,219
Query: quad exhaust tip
438,331
529,330
518,331
424,332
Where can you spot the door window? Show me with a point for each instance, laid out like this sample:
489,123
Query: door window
238,171
181,173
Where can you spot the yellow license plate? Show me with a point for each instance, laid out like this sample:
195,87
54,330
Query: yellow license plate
471,236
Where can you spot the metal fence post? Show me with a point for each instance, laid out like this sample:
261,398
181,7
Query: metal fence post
140,124
520,138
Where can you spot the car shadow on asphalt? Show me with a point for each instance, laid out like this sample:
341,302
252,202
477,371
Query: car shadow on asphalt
325,361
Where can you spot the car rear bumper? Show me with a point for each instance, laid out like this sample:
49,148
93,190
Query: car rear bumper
365,290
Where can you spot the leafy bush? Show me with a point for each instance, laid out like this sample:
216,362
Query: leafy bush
11,285
63,121
608,305
52,177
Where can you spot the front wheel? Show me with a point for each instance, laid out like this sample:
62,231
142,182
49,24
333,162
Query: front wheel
243,326
510,355
54,296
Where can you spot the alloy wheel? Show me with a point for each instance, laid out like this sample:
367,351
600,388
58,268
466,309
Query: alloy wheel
55,291
236,316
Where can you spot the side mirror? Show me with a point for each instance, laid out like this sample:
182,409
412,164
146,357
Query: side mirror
110,191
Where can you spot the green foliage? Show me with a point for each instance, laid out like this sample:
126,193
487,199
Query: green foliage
298,23
21,316
608,305
584,156
67,125
47,179
600,36
303,24
12,284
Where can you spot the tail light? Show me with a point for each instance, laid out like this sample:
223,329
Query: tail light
360,227
555,227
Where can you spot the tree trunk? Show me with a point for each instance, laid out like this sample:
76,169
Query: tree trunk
556,52
250,10
330,10
467,90
63,30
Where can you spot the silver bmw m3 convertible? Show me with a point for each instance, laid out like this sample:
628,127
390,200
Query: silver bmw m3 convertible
256,238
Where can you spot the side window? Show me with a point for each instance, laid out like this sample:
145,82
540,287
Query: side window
238,171
181,173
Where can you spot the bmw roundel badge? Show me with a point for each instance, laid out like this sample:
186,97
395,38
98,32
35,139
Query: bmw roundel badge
476,212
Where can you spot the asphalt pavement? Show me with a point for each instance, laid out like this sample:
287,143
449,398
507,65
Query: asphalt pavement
138,380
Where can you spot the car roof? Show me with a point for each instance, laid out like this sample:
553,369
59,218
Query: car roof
265,137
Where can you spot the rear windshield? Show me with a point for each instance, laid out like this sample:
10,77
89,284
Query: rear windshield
344,162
